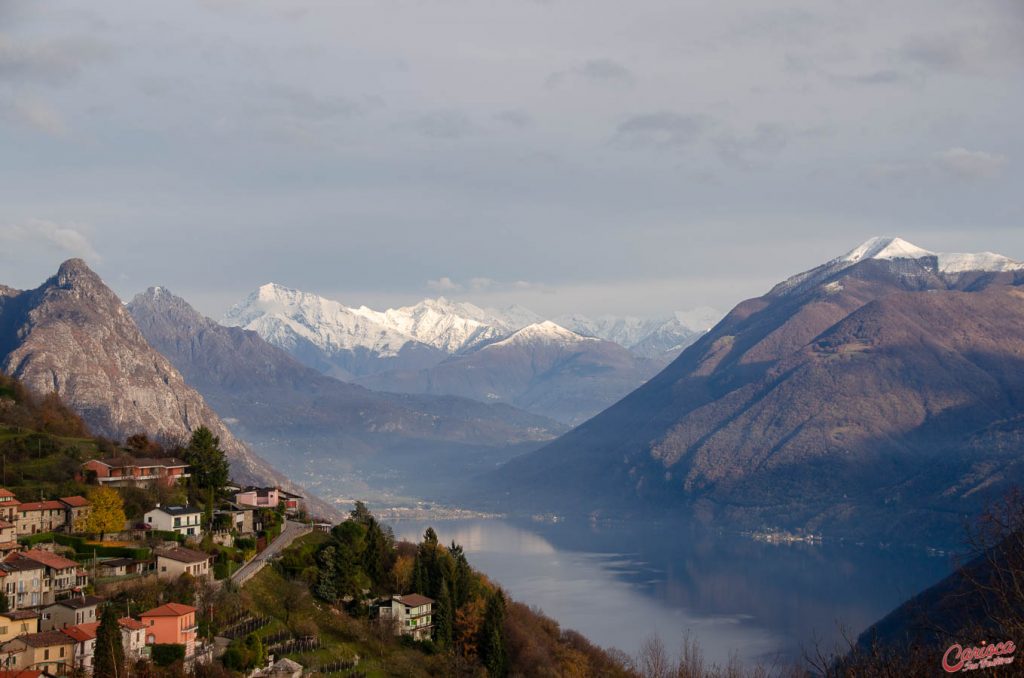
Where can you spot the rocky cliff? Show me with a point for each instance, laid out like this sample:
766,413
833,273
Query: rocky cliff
73,335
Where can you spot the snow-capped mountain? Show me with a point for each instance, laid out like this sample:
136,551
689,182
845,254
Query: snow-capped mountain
915,261
660,337
350,342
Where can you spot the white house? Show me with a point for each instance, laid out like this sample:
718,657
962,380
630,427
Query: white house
184,520
412,614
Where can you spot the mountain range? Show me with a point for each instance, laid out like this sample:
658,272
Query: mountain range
329,432
438,347
877,393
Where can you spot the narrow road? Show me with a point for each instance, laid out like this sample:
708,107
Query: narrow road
292,531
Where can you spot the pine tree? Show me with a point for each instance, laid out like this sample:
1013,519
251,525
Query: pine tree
209,465
443,617
108,660
493,654
5,605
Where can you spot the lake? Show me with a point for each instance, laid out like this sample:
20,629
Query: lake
619,583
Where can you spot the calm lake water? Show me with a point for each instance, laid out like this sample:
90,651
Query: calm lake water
618,584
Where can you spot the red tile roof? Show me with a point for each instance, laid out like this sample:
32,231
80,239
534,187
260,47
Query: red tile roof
24,673
131,624
76,501
414,600
45,558
42,506
169,610
81,632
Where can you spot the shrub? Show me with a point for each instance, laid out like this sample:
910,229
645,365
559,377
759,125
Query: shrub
166,654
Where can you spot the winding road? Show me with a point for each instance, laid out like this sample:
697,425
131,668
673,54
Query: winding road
292,531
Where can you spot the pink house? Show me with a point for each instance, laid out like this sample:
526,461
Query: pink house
172,623
269,497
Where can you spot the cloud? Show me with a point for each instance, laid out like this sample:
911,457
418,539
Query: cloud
444,125
444,284
967,164
664,128
745,152
514,118
36,114
65,240
480,284
53,62
606,70
936,52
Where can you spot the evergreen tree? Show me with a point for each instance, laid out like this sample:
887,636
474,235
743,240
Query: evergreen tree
419,576
462,581
493,654
108,660
443,617
209,465
5,605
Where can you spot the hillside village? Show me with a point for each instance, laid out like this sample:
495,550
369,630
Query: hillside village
144,559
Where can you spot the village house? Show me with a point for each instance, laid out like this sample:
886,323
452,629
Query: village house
181,519
22,582
8,505
236,517
172,563
48,651
120,567
269,497
133,639
412,615
84,650
135,472
36,577
70,612
8,537
40,516
17,623
171,624
75,508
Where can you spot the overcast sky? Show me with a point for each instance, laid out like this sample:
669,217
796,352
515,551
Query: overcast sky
571,155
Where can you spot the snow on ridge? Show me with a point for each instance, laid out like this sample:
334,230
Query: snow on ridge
885,248
543,332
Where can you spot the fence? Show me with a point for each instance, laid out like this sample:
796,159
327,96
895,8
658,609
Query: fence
245,627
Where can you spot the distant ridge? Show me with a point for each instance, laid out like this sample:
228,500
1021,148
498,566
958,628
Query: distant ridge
878,393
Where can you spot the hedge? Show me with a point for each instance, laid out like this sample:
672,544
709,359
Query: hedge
165,654
85,549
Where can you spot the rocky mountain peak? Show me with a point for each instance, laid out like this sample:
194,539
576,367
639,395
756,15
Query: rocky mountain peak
72,335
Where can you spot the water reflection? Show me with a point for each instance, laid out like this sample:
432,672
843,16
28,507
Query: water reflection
617,584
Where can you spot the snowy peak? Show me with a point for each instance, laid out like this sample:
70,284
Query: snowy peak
545,332
947,262
887,249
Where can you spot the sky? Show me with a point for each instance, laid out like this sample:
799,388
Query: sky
568,155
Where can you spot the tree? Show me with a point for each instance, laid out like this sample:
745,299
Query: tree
493,654
443,617
4,604
105,515
209,465
108,660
